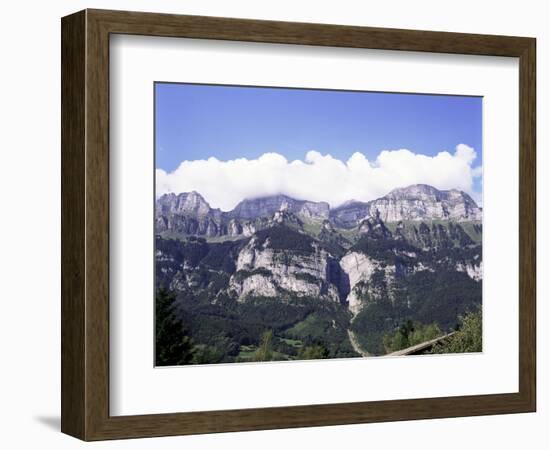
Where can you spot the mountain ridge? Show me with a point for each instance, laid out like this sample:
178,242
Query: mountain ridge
189,213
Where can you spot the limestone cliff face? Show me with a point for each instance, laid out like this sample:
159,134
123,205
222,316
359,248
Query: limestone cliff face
191,203
187,225
420,201
474,270
371,279
269,272
414,203
187,213
359,268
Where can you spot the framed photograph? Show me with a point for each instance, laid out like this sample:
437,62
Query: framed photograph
273,225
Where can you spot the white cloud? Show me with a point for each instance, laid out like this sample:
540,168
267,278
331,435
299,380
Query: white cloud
320,177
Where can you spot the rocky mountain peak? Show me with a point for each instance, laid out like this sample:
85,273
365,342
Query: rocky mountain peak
287,218
268,206
184,203
415,191
374,228
416,202
424,192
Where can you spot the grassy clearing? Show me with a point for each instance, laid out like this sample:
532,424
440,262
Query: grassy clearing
469,227
292,342
313,227
247,352
470,230
304,326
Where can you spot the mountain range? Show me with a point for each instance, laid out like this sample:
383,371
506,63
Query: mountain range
190,214
341,279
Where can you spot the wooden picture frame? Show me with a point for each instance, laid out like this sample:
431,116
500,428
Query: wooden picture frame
85,224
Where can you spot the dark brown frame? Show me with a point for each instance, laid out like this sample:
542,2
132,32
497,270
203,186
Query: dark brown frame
85,224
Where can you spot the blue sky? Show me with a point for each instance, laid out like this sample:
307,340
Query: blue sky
195,122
